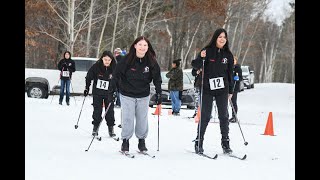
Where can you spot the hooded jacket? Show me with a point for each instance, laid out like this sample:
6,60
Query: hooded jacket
101,76
66,67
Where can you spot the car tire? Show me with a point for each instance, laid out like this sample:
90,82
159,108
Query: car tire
36,91
252,86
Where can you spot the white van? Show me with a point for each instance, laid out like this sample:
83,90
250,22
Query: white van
39,83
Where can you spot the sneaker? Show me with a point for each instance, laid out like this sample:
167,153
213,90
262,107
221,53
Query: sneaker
142,145
111,132
176,113
125,145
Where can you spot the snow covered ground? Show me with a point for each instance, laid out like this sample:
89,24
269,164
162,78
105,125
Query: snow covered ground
55,150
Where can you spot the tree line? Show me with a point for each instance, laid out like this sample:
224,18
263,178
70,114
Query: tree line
176,29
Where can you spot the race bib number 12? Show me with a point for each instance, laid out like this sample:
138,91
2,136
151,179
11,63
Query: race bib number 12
216,83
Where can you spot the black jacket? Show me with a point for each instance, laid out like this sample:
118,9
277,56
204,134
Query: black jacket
218,63
101,77
134,80
197,78
237,72
66,65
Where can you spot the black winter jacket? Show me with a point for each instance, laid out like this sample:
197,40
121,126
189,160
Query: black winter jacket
67,65
134,80
218,63
101,77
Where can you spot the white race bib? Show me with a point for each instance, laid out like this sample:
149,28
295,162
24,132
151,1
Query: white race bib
102,84
216,83
65,73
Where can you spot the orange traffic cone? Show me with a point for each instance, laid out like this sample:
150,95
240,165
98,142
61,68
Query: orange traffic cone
197,117
158,110
269,126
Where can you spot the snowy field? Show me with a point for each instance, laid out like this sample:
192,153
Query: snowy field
55,150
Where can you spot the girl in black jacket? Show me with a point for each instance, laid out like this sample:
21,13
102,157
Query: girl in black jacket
218,84
101,74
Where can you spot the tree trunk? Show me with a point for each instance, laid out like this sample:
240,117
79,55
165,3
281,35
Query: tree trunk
89,29
103,28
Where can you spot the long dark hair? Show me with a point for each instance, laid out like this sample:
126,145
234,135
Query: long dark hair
214,38
150,54
113,62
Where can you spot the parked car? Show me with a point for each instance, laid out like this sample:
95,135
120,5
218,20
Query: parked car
40,83
248,76
188,92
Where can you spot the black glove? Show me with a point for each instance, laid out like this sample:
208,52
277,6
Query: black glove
158,99
85,92
111,97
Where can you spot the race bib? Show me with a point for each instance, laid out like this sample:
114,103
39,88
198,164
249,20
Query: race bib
65,73
101,84
216,83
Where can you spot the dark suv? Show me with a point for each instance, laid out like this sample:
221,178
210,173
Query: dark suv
188,92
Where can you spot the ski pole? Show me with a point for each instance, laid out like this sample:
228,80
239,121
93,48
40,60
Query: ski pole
76,126
73,92
158,106
99,125
235,115
53,93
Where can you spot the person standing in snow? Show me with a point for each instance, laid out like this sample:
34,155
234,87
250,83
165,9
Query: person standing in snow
101,74
175,86
236,72
66,67
133,76
218,84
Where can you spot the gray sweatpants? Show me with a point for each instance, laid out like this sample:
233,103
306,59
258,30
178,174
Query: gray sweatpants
134,108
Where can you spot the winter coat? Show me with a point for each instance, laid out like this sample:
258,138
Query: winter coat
134,80
66,67
175,76
101,76
218,67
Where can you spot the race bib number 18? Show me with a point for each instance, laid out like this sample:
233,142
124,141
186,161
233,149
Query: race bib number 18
216,83
65,73
101,84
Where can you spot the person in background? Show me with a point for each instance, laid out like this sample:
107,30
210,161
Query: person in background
237,72
175,86
101,74
218,84
66,67
118,55
133,76
197,85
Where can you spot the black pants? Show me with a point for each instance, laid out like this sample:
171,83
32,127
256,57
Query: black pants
97,110
222,106
234,102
